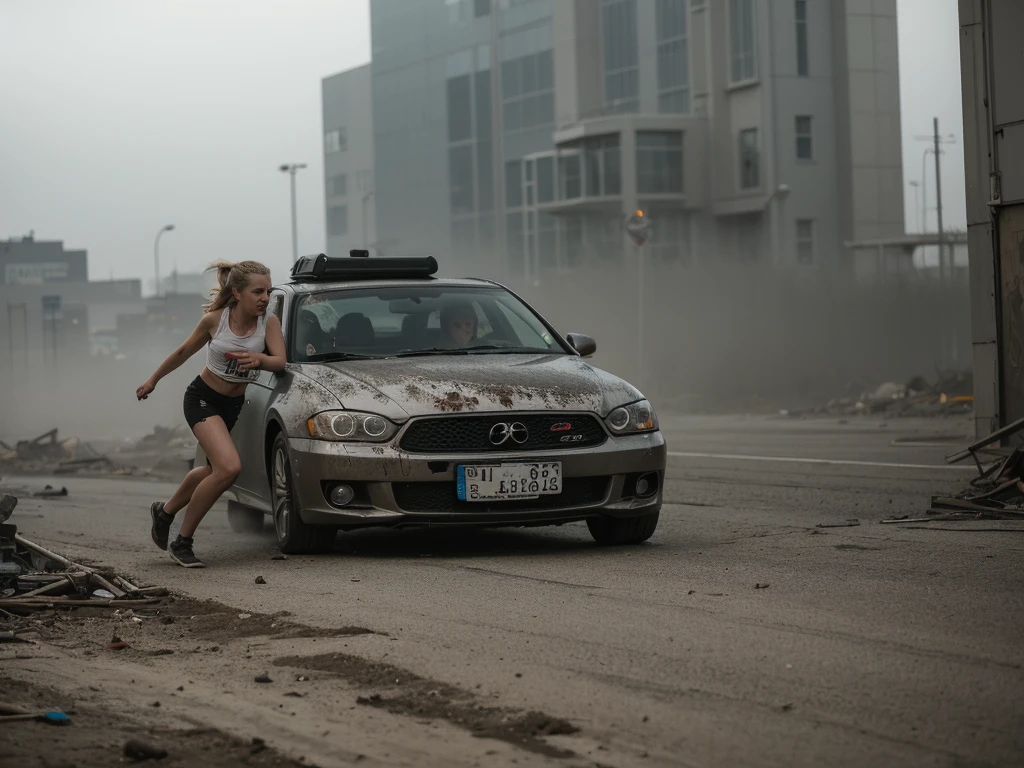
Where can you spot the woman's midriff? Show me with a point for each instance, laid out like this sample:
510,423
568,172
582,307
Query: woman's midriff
217,384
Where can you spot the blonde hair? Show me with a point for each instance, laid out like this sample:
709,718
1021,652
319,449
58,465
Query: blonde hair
231,276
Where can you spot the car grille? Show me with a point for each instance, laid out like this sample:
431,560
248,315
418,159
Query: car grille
442,497
470,434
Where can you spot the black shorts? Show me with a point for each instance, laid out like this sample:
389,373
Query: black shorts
202,402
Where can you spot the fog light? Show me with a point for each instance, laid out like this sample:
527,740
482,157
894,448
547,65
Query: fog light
647,485
341,495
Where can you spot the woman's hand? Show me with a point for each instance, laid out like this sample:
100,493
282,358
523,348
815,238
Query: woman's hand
247,360
145,390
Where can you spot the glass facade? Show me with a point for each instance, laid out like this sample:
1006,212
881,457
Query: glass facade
621,68
528,92
659,162
750,160
673,56
741,41
804,138
803,65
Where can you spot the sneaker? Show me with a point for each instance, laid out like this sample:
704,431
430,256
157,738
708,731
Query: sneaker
161,524
182,554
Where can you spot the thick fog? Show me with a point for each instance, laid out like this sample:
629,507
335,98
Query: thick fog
121,117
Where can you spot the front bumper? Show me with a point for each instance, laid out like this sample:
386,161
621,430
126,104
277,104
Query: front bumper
400,489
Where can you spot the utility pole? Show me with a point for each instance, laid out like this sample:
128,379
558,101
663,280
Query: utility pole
937,140
938,203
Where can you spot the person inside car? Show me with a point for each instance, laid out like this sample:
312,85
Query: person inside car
458,324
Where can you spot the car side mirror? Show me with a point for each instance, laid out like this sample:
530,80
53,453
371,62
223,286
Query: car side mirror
585,345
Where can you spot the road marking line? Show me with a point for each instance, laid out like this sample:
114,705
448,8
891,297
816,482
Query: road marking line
800,460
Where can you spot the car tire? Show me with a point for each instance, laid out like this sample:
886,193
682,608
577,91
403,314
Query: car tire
243,519
294,537
631,530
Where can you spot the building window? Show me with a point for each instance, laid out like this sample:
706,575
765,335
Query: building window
335,141
481,8
458,11
337,220
528,95
673,57
621,69
337,186
750,161
802,63
460,179
460,109
659,162
741,37
805,241
804,138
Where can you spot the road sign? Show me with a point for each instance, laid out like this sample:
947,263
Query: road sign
639,227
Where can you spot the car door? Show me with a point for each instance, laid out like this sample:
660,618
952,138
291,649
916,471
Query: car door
253,485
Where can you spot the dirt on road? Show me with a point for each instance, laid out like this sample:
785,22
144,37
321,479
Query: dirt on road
153,675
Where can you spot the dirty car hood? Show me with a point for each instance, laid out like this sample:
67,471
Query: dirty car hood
417,386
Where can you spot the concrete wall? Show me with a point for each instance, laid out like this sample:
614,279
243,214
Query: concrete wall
347,104
868,118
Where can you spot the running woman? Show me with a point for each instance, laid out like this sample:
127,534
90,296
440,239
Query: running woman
241,341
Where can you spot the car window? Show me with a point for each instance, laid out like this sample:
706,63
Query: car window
400,320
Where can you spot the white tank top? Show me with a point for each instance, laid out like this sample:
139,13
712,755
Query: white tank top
224,341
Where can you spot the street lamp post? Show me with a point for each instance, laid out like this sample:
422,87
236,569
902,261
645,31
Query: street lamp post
156,258
291,169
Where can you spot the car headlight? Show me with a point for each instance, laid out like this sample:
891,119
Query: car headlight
351,426
629,419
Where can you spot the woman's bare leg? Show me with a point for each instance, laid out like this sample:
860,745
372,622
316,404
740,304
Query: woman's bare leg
183,495
215,440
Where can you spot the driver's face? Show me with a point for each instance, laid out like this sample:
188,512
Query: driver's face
461,329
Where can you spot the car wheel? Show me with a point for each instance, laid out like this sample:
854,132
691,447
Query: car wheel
243,519
630,530
294,537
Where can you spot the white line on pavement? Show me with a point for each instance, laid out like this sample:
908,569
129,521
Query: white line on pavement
800,460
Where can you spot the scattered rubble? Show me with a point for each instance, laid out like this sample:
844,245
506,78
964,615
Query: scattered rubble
164,454
48,455
950,395
32,578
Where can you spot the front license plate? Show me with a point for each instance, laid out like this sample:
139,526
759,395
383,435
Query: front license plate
498,482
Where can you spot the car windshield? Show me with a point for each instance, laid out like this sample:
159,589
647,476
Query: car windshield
400,321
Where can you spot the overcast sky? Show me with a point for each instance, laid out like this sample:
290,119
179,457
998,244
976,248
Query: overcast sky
120,116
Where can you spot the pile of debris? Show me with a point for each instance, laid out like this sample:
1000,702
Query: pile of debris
32,578
48,455
166,453
950,395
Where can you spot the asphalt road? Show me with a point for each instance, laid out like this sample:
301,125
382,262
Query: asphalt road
868,645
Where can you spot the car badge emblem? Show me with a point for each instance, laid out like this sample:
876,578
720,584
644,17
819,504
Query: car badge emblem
562,426
501,433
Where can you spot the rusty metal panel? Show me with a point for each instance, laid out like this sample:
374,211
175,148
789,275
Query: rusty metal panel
986,395
1010,143
981,266
1007,51
1011,286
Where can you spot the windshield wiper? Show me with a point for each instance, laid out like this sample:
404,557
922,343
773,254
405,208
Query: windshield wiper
431,351
333,357
502,349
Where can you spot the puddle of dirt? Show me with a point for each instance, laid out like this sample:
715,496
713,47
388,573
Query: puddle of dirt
96,737
401,692
214,621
